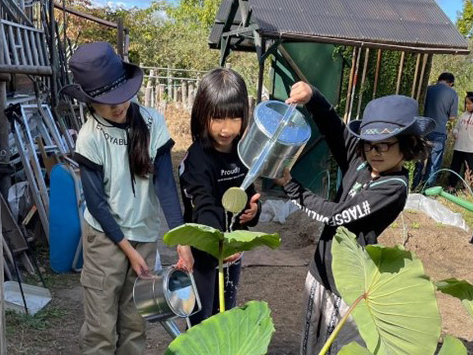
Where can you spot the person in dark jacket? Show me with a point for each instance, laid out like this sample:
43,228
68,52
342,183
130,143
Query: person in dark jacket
211,166
371,154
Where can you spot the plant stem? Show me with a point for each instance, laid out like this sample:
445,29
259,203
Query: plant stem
340,324
221,295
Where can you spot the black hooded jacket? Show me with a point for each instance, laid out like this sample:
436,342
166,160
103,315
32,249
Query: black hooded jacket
364,205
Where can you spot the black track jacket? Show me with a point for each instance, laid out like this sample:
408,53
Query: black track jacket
364,205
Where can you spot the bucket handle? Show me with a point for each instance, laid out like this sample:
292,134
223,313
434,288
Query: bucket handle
196,293
194,287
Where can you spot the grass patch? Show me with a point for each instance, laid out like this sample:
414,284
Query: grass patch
40,321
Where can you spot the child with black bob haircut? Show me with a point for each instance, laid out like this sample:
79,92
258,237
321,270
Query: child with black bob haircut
371,154
211,166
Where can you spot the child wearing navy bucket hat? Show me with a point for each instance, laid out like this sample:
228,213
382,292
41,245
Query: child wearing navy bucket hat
123,150
370,154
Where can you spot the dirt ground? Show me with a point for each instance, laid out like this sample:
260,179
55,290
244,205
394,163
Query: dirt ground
444,250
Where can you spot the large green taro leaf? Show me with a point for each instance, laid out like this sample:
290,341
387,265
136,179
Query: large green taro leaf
399,312
354,349
207,239
239,331
460,289
452,346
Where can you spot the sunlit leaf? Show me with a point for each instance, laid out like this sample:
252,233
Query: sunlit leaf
354,349
399,312
239,331
452,346
207,239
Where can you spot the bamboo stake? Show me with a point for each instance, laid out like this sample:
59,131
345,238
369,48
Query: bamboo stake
421,79
350,83
355,79
376,75
363,79
416,72
399,73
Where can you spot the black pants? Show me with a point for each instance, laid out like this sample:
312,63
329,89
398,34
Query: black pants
206,280
459,160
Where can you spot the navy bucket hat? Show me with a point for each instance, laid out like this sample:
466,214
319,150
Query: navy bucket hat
391,116
101,76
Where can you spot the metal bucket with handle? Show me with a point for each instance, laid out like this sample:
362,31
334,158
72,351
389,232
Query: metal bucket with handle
165,295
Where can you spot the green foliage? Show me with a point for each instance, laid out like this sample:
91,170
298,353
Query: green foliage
460,289
207,239
166,34
194,13
354,349
465,20
398,311
245,330
452,346
387,77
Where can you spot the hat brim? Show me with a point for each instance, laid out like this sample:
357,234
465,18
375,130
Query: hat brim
116,96
420,126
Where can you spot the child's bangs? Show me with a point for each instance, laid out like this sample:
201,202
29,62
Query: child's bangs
231,108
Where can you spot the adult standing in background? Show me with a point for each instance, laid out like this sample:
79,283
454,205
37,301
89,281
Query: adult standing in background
441,104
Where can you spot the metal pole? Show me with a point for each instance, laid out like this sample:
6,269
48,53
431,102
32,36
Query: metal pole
5,180
3,339
52,48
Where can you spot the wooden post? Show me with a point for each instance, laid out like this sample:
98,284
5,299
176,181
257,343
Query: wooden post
421,79
363,79
399,74
184,93
350,83
120,40
376,75
169,83
3,339
355,80
416,73
191,95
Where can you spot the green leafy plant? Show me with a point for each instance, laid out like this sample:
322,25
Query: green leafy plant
245,330
391,299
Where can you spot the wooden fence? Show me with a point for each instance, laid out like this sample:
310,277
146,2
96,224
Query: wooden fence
166,85
162,86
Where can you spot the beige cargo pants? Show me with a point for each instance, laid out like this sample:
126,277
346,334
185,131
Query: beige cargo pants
112,324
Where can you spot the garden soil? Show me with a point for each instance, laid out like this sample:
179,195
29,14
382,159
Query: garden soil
276,277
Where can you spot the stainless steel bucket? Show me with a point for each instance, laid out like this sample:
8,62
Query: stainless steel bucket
167,294
284,151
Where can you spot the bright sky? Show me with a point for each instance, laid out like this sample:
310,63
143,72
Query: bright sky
450,7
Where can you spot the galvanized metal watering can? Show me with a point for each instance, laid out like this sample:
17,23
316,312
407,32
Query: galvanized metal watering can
165,295
273,141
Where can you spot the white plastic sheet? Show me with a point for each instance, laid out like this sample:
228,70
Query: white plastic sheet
276,210
435,210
